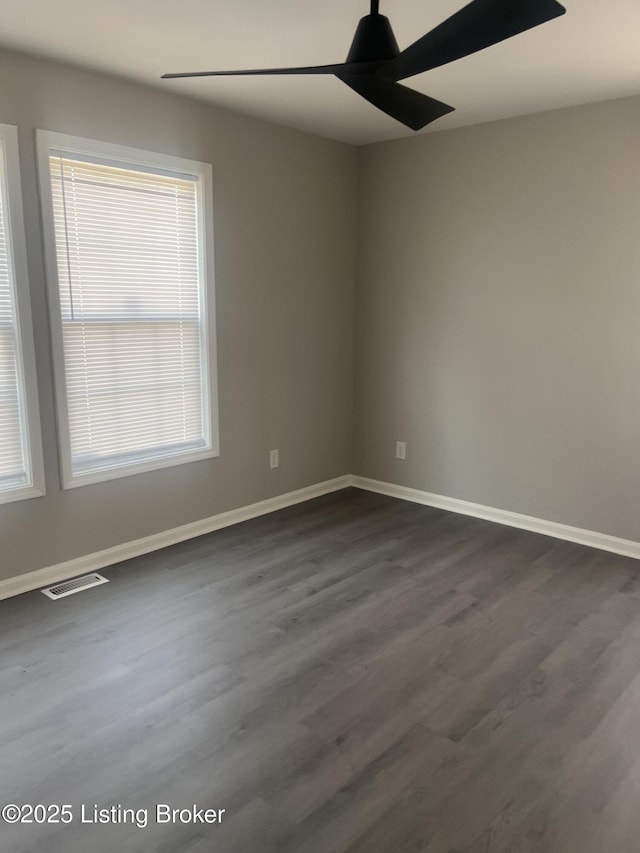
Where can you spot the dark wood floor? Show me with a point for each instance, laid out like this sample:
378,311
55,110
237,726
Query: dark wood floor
353,674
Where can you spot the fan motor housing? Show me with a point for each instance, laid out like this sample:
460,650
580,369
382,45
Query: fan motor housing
374,40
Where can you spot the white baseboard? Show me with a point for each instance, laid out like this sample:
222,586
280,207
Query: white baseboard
110,556
602,541
101,559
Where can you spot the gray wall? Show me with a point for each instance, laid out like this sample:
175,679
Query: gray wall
497,312
498,315
285,267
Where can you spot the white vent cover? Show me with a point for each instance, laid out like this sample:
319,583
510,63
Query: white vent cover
60,590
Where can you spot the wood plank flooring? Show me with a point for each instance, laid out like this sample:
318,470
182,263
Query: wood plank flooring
352,675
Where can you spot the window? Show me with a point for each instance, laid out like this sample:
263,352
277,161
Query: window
129,255
21,471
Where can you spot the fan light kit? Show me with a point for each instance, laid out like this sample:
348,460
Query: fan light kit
375,62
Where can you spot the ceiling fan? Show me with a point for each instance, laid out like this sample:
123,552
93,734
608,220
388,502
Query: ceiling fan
375,63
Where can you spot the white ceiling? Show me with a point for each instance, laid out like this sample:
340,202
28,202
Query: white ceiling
590,54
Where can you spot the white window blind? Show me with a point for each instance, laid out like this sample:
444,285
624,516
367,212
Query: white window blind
132,310
20,464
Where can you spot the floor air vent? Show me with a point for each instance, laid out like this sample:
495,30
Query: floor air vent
60,590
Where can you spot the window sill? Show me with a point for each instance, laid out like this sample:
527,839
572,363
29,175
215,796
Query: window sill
21,493
116,472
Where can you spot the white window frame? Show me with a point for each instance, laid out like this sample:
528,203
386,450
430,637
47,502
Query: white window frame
25,356
52,143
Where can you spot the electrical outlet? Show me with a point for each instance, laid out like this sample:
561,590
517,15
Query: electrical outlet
274,459
401,449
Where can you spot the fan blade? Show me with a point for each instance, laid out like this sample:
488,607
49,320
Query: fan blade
413,109
353,67
478,25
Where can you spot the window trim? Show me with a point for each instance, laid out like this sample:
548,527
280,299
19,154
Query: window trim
49,142
26,359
